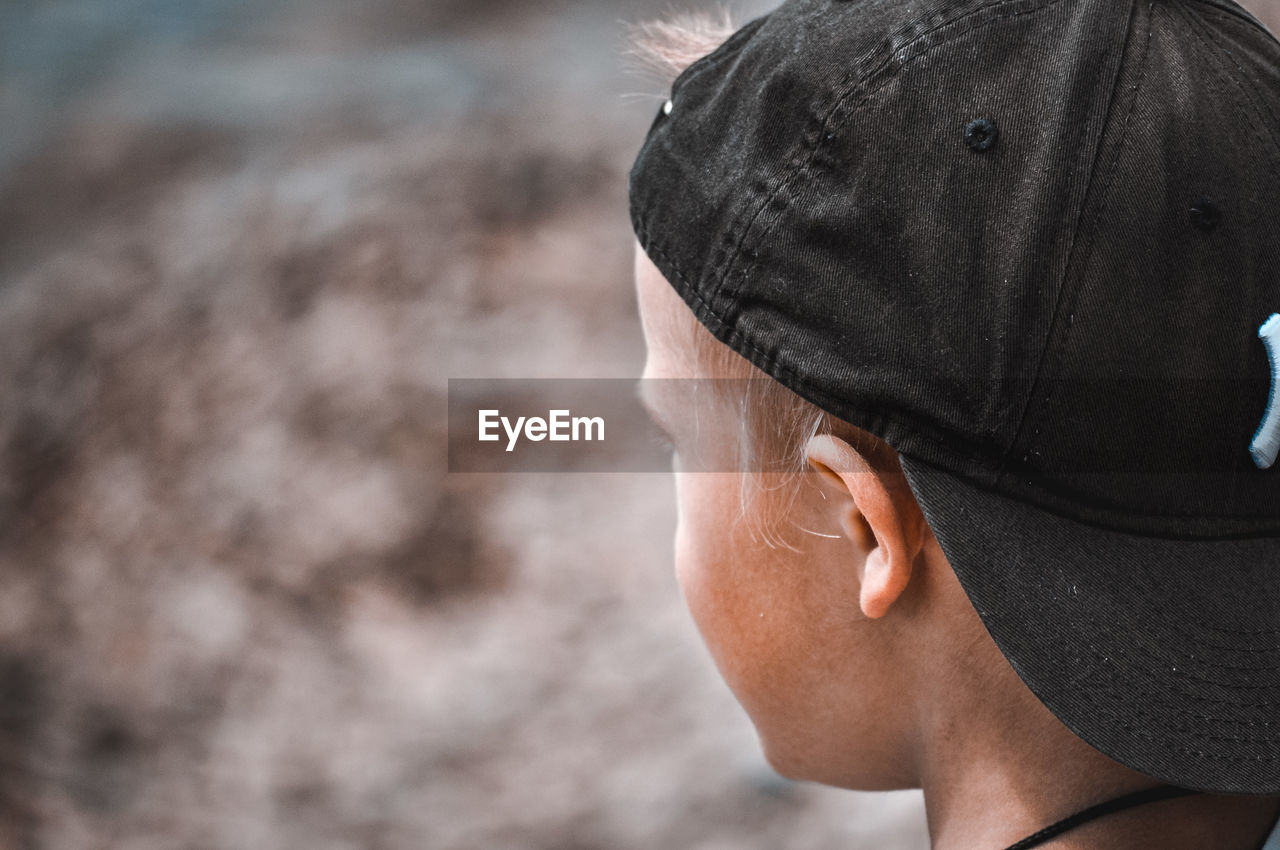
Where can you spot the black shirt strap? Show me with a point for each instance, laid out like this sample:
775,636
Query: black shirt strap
1119,804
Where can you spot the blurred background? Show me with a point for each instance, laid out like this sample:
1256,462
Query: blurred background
242,247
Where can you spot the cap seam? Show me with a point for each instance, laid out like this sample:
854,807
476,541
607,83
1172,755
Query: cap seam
1149,687
1070,288
1200,30
864,87
1256,121
1072,297
1241,14
1141,663
1174,623
836,119
1119,650
730,244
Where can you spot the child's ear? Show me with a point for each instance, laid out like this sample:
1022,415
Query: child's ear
878,514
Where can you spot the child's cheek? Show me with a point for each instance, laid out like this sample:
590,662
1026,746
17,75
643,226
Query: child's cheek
730,597
700,548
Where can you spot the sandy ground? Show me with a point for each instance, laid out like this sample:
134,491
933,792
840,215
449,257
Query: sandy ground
242,246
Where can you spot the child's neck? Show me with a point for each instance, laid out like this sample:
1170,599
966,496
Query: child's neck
992,775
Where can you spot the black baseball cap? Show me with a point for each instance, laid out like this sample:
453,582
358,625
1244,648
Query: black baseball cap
1033,245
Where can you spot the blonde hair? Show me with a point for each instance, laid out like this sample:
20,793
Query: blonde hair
775,424
664,48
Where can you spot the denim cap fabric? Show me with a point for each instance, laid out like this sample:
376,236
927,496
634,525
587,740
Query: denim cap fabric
1030,244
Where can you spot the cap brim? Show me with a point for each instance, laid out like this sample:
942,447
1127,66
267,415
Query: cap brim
1162,654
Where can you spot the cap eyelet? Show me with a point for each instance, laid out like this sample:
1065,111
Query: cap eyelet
1205,215
981,134
667,107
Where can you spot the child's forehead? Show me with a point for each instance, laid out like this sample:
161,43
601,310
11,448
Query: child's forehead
670,327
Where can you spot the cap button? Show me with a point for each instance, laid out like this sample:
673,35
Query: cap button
980,134
667,107
1205,214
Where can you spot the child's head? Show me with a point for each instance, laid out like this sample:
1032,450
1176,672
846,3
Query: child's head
790,573
992,438
814,577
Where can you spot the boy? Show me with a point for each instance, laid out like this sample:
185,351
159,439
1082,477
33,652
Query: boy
1002,267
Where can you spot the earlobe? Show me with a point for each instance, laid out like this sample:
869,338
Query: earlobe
880,520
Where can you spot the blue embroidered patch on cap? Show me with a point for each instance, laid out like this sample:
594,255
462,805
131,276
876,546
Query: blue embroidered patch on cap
1266,442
